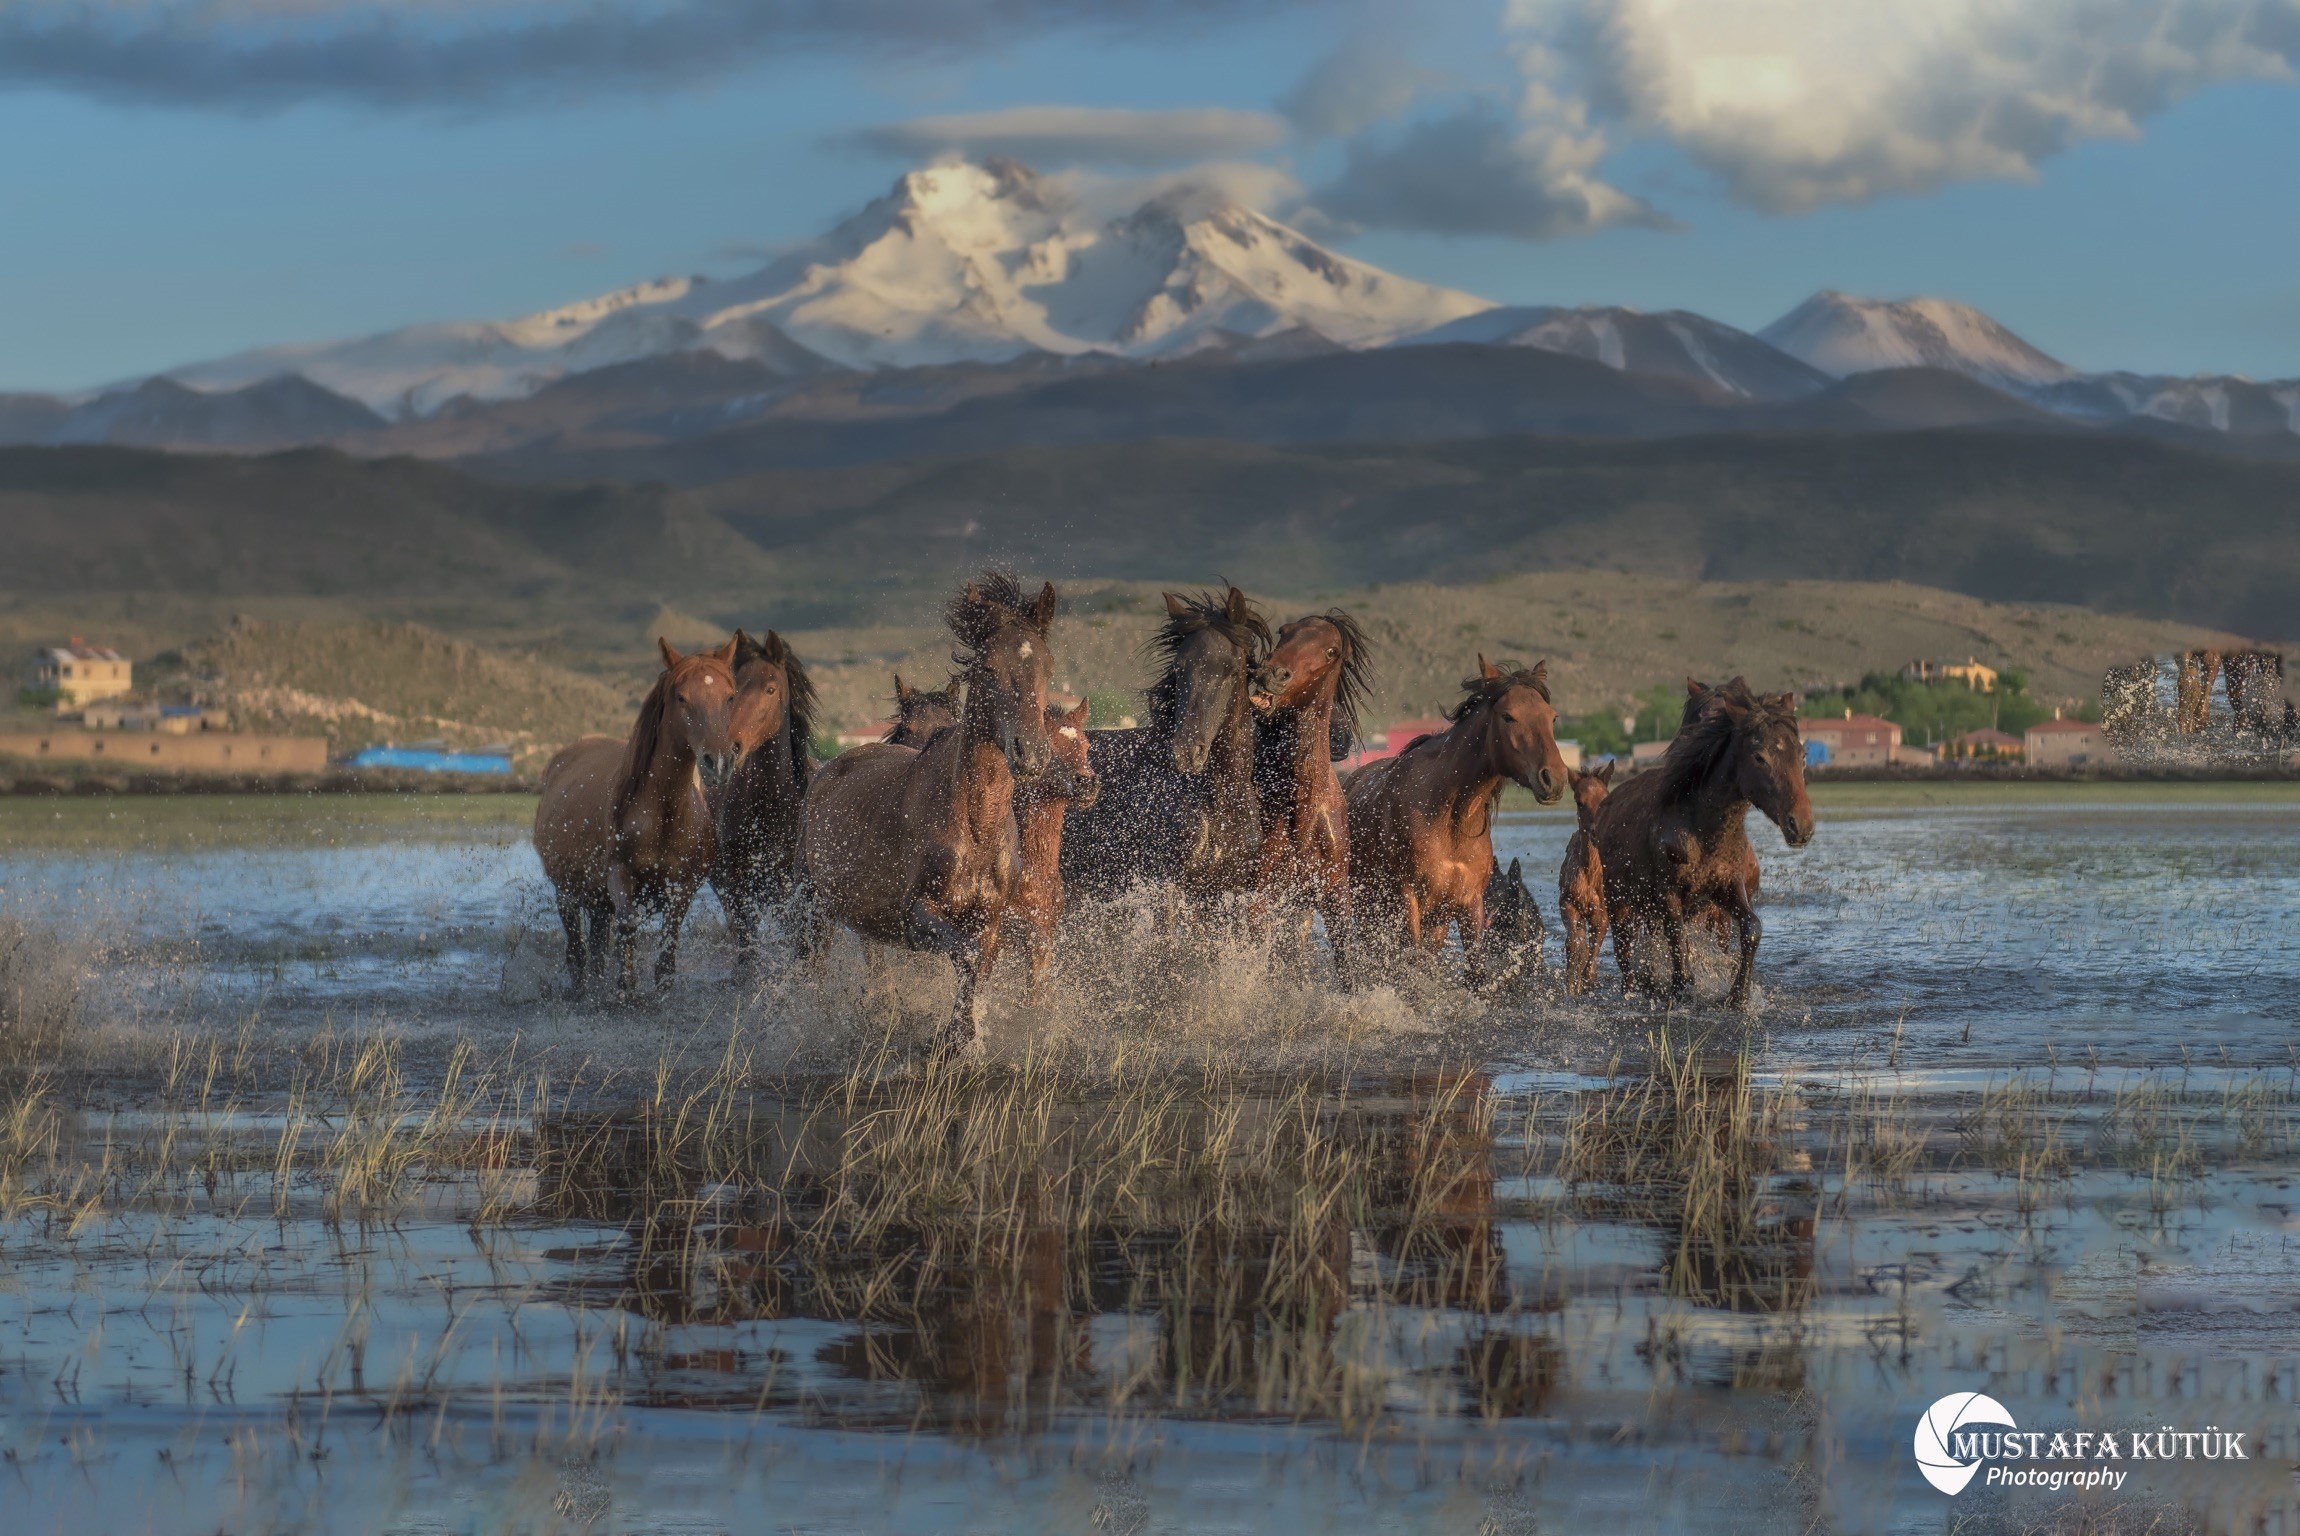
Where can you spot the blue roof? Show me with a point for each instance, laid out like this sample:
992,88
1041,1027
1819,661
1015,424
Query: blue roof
430,762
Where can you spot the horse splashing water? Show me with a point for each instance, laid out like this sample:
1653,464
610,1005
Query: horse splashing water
628,827
1581,883
1307,693
771,726
1039,811
918,847
1178,802
1421,823
1671,841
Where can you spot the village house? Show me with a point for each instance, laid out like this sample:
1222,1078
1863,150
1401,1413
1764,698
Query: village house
79,674
1855,741
2059,743
1972,672
1985,746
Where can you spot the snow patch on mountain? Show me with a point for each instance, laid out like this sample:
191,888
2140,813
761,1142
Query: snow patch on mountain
1842,334
1675,343
957,263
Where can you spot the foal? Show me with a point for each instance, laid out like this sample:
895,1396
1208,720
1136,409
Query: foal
1039,810
1581,883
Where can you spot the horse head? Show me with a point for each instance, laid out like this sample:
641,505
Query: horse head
1007,663
1589,791
693,702
920,712
1321,655
1520,726
762,709
1069,775
1767,761
1210,644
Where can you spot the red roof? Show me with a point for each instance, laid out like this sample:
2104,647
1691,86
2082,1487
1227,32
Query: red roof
2061,727
1845,723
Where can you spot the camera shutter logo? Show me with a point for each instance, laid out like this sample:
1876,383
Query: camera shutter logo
1934,1458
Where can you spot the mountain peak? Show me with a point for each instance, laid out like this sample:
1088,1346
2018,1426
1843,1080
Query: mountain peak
1843,334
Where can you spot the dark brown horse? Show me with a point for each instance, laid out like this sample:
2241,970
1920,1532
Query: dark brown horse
1672,842
1421,823
626,827
918,848
1581,883
2254,680
920,712
1039,811
771,726
1178,802
1307,693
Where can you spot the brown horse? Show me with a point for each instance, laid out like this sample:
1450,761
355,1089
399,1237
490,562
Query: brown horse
1039,810
918,848
1178,802
1307,693
919,713
1672,843
1421,823
2253,680
1581,883
627,827
770,725
2198,671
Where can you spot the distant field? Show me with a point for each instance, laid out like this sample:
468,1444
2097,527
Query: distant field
188,823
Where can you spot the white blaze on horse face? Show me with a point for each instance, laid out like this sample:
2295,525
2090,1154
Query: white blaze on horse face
1070,731
1026,650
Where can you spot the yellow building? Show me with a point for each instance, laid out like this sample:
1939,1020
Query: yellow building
1976,675
81,673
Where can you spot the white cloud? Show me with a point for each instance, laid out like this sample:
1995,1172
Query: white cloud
1798,103
1064,136
1480,171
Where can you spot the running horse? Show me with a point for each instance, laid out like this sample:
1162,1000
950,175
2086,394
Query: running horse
1672,842
920,712
918,848
626,827
1581,882
2254,679
1307,692
1421,823
1178,802
771,726
1039,812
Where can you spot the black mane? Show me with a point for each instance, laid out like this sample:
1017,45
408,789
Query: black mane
799,701
1248,631
1713,723
1478,692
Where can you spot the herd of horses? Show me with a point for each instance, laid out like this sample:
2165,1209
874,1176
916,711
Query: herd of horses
985,811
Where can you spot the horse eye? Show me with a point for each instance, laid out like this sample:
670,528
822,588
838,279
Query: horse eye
1331,653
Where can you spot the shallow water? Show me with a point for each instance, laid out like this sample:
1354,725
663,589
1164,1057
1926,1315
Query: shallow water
2017,1114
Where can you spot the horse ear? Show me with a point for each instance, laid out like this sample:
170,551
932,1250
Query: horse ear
1516,871
671,656
1486,669
1043,614
726,652
1604,774
1077,715
1541,674
1695,689
902,690
1786,702
1235,607
774,647
1175,607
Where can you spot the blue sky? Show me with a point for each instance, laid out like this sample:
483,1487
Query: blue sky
149,218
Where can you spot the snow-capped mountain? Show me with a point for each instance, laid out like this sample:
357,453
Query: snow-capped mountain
958,263
1842,334
1675,343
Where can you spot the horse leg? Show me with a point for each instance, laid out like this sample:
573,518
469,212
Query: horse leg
599,917
571,913
667,958
1475,960
1341,934
742,925
1680,946
1580,956
626,933
1752,931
